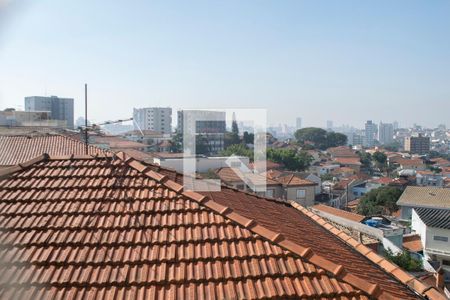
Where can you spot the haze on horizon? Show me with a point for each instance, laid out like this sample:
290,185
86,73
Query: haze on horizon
346,61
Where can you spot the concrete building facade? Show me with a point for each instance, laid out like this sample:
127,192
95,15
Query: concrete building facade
417,144
59,108
385,133
157,119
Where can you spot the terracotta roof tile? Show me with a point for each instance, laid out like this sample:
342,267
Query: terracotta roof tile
19,149
102,228
292,180
339,213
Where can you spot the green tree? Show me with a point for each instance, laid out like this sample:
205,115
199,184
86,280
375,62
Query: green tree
405,261
366,159
290,158
380,159
334,139
248,138
379,201
320,137
177,142
317,136
239,150
202,145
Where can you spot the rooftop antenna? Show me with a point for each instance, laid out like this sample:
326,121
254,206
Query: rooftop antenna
85,119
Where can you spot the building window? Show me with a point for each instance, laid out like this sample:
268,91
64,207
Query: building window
301,194
270,192
440,238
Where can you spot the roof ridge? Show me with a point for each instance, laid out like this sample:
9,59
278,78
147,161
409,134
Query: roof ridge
306,253
22,166
389,267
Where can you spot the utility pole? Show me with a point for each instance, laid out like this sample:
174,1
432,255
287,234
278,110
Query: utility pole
86,119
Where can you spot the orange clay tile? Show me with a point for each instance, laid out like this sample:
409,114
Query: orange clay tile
112,227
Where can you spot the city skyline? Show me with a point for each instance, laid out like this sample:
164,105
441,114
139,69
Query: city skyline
243,55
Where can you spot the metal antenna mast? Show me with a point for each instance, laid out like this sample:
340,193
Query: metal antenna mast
86,120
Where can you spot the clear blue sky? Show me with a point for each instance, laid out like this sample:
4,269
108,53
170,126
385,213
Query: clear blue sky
346,61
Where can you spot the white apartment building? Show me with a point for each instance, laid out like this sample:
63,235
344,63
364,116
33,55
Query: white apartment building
385,133
158,119
370,130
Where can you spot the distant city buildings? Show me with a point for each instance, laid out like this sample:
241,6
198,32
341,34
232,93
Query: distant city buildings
417,144
370,131
59,108
11,117
298,123
211,125
158,119
385,133
329,125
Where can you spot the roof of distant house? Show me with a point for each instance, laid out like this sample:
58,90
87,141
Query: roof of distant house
383,180
441,162
439,218
269,165
342,151
293,180
117,142
343,170
431,197
18,149
412,243
348,161
105,227
339,213
410,162
235,175
143,133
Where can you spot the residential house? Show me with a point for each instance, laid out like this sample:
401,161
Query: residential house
249,181
342,151
426,197
415,164
433,226
429,178
300,190
343,172
350,162
324,169
108,227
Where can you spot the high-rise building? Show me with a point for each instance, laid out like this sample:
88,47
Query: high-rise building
211,125
385,133
417,144
329,125
298,123
59,108
370,131
158,119
396,125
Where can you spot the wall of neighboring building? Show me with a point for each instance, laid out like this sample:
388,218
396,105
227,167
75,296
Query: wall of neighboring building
291,194
203,164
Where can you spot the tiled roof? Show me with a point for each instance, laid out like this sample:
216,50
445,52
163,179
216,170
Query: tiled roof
439,218
309,230
105,227
112,228
342,151
431,197
348,161
339,213
116,142
231,175
293,180
410,162
412,243
18,149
